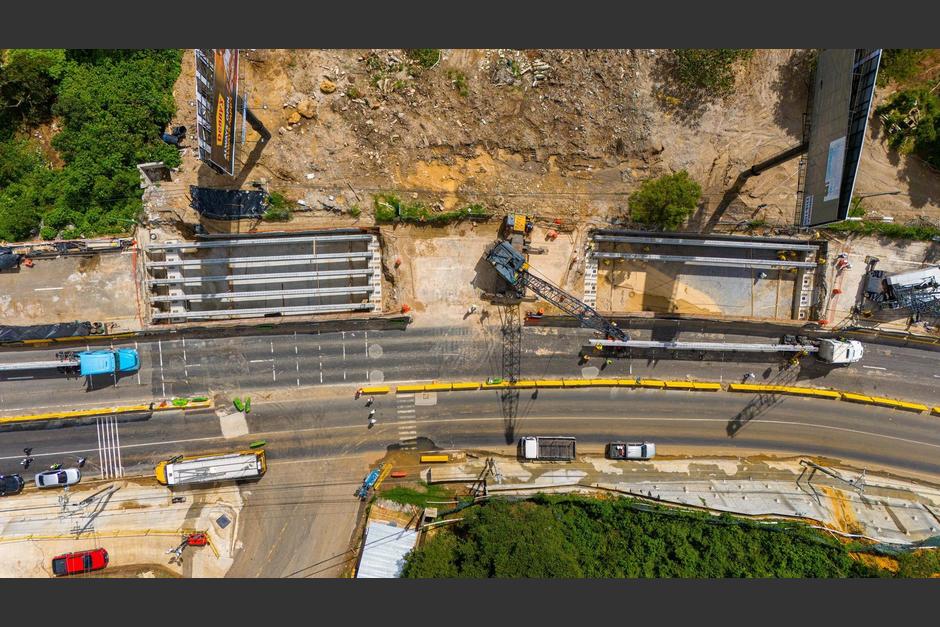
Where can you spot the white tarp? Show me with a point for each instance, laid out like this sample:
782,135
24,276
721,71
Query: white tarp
384,551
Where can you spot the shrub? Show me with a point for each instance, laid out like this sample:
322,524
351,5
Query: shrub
459,81
278,208
389,208
424,57
899,64
355,211
709,71
924,137
665,202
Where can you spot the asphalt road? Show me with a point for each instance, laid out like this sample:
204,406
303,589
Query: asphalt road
329,426
267,362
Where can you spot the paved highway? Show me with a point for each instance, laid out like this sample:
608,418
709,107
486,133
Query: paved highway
328,424
190,365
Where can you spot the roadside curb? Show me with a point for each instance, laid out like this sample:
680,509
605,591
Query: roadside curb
163,405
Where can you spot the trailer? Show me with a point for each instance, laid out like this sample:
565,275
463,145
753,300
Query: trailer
554,448
84,363
828,350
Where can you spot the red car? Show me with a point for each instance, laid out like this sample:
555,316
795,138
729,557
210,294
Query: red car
81,562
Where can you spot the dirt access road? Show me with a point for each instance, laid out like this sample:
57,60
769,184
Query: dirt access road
478,127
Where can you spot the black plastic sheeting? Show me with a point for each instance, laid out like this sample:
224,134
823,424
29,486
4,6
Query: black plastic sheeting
44,331
228,204
9,259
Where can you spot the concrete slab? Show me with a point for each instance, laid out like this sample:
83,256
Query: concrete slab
99,288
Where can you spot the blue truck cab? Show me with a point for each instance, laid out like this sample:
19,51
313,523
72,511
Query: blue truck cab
108,361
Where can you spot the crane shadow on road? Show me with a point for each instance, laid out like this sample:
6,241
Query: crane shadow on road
757,405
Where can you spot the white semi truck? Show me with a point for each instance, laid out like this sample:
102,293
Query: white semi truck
828,350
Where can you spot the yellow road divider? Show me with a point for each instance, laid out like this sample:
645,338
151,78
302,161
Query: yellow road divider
376,389
936,410
102,411
465,386
710,386
437,387
409,388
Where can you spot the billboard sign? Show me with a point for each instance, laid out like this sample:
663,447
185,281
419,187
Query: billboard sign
842,93
216,98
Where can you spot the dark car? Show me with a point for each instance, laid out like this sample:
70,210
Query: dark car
81,562
11,484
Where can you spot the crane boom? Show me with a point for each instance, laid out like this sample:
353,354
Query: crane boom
512,266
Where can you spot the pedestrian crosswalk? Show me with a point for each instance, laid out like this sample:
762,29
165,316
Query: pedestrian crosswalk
109,447
407,424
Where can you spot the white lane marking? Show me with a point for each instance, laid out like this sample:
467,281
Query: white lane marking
874,367
18,378
100,452
297,358
137,348
185,369
117,447
162,382
45,289
259,361
367,356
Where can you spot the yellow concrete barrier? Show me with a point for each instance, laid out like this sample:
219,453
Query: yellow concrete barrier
494,386
435,459
890,402
855,398
376,389
785,389
577,383
465,386
549,383
692,385
523,385
102,411
409,388
627,383
604,382
936,410
437,387
651,383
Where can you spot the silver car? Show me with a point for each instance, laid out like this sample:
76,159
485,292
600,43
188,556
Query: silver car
57,478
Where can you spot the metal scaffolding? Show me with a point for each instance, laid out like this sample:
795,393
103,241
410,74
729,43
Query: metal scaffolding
710,261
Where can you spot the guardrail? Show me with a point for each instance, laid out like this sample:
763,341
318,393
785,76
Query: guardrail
684,386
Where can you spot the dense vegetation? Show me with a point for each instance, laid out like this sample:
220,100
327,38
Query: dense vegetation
391,208
899,64
913,132
665,202
708,71
111,107
571,536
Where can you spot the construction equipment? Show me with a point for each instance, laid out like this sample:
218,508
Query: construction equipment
514,269
918,290
84,363
193,539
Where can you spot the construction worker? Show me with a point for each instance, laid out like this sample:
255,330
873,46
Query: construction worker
55,466
371,413
27,451
81,462
372,422
26,462
370,401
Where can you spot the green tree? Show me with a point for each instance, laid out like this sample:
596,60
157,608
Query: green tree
709,71
665,202
912,118
28,80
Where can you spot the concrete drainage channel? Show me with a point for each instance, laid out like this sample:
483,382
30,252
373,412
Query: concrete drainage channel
685,386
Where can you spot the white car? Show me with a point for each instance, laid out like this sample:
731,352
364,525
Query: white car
57,478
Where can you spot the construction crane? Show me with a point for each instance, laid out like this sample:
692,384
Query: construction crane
514,269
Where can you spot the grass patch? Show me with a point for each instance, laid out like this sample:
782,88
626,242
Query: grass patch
857,210
390,208
425,57
355,211
886,229
411,496
459,80
278,208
